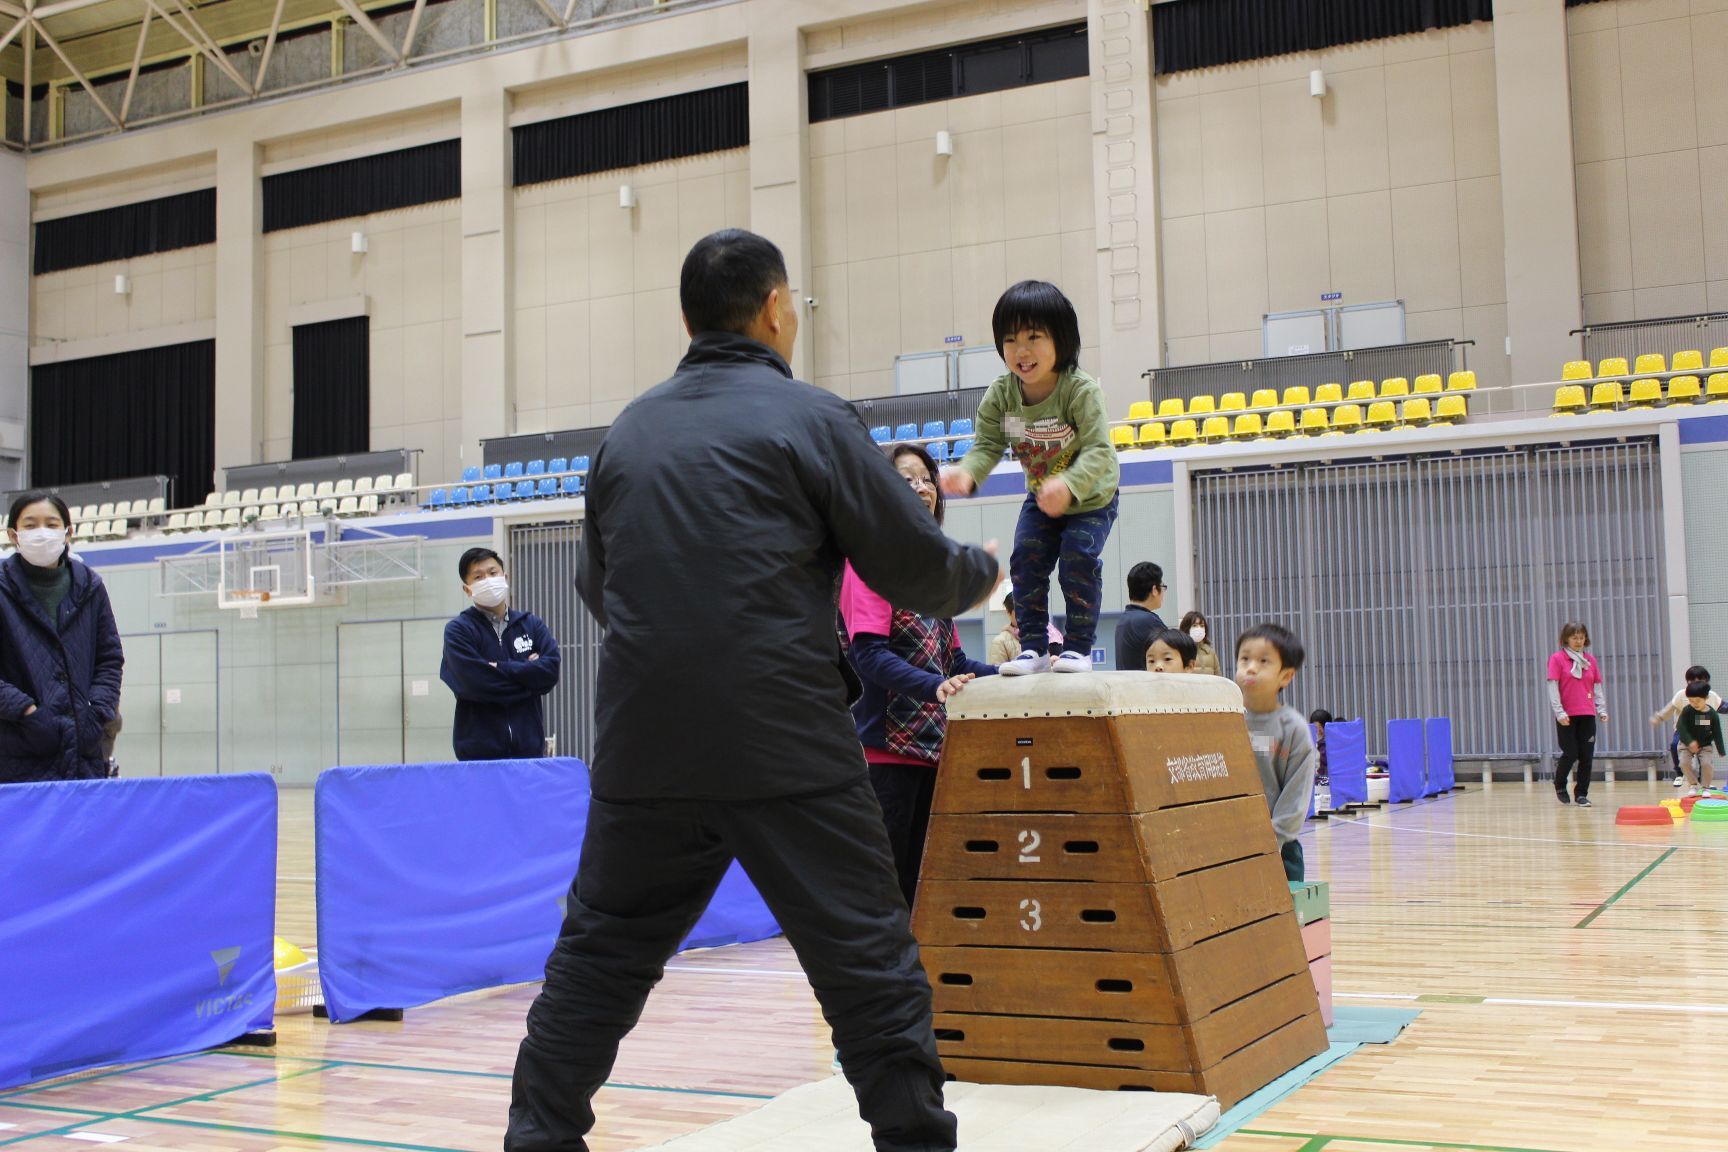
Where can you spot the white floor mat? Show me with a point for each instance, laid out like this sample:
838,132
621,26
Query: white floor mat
993,1118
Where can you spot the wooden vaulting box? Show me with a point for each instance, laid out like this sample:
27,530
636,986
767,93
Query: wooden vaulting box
1102,903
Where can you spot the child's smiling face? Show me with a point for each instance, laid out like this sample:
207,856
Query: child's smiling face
1031,355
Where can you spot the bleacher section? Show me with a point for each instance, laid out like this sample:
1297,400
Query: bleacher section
1649,382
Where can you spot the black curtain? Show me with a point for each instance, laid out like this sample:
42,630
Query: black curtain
332,388
359,187
148,413
943,73
689,124
1205,33
162,225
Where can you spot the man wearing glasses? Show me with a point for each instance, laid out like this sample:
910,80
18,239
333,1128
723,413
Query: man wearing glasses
1140,622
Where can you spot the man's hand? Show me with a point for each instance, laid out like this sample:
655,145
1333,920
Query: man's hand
1001,575
950,686
533,656
1692,747
30,711
957,482
1055,497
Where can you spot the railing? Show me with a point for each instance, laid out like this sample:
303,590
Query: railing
394,461
1431,357
1667,335
133,490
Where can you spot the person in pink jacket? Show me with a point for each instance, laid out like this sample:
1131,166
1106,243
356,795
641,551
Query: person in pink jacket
1575,697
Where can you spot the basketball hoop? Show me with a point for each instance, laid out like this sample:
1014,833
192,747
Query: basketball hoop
250,601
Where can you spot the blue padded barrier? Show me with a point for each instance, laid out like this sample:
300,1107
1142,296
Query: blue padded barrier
1405,759
1347,762
435,879
136,919
1437,735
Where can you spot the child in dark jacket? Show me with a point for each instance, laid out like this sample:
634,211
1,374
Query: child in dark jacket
1700,730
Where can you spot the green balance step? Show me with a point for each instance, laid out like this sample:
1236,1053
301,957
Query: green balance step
1313,899
1710,811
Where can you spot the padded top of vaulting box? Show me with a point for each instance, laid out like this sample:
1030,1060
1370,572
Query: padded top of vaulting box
1054,694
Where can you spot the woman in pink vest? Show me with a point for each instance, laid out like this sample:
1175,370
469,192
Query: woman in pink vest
1575,696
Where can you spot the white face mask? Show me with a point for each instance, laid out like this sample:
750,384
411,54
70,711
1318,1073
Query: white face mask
1198,633
490,592
42,546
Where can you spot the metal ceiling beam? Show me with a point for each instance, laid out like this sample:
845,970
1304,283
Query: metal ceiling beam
10,10
49,11
413,29
89,88
137,65
209,47
371,30
556,19
12,32
269,47
29,77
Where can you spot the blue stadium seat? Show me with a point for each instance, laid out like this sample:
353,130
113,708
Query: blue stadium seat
906,432
513,470
933,429
494,471
525,490
439,498
960,428
558,464
961,447
578,463
881,434
546,486
572,486
471,475
482,493
459,497
938,451
505,491
536,467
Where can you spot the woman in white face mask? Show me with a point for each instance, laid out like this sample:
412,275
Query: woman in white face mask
60,656
1206,656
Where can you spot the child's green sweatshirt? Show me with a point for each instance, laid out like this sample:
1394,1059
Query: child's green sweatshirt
1067,435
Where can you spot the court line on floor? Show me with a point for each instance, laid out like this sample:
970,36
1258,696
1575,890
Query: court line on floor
121,1070
1319,1141
1530,1002
1625,888
1530,839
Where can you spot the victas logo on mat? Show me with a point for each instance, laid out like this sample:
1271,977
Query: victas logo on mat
220,1005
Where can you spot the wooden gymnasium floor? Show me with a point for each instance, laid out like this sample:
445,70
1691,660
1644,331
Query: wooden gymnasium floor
1569,975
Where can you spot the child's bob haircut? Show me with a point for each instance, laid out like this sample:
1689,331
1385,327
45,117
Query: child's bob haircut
1180,643
1290,651
1697,672
1698,690
1039,304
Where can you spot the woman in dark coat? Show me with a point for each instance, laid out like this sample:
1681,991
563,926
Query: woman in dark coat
60,656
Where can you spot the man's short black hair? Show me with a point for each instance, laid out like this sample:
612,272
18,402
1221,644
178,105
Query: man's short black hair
1039,304
474,556
726,278
1698,690
1142,578
1180,643
1290,652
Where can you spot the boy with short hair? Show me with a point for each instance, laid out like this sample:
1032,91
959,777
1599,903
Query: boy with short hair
1268,656
1700,731
1672,711
1171,651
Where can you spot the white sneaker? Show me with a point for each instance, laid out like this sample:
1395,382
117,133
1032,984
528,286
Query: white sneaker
1071,662
1679,781
1025,664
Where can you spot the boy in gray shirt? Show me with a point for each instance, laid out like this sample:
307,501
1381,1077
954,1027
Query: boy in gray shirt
1267,659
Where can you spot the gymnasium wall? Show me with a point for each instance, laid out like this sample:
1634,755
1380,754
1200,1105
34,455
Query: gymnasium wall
1704,470
1650,141
1386,188
14,305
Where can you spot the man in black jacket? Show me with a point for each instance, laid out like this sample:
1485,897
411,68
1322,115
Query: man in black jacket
500,663
734,489
1140,622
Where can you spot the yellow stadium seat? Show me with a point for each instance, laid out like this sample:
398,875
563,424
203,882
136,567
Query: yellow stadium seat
1233,402
1427,384
1608,394
1689,361
1216,429
1382,414
1461,382
1576,370
1201,405
1249,426
1685,389
1451,410
1361,390
1568,398
1646,393
1651,362
1396,386
1283,421
1121,436
1716,388
1346,417
1613,366
1328,394
1419,410
1315,421
1152,434
1170,407
1184,432
1719,357
1296,395
1142,410
1264,398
